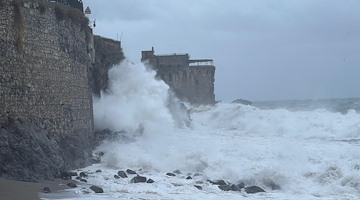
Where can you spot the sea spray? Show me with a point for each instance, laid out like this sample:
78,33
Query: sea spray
310,154
134,99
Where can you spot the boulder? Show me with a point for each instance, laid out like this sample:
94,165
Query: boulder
253,189
150,181
225,187
235,188
116,176
129,171
170,174
83,175
97,189
188,178
83,180
198,187
46,190
218,182
122,174
65,175
138,179
98,171
72,185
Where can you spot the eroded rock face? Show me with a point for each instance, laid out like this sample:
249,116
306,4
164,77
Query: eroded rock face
27,154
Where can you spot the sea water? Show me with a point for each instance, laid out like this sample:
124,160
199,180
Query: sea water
291,149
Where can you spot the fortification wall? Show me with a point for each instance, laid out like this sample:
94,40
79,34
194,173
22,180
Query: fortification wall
108,53
45,75
192,83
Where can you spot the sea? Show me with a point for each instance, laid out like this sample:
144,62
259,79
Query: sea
294,149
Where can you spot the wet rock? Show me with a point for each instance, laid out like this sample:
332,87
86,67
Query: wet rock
225,187
78,178
98,171
122,174
170,174
72,185
253,189
198,187
116,176
218,182
83,175
177,172
241,185
197,174
73,173
97,189
138,179
188,178
242,101
46,190
150,181
235,188
65,175
129,171
83,180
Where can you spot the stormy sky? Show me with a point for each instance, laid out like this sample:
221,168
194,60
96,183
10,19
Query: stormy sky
262,49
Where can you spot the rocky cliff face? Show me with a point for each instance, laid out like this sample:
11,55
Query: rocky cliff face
46,102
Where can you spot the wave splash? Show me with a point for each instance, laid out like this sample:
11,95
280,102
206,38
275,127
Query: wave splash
299,152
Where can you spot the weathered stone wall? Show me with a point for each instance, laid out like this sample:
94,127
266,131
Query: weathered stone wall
194,84
44,80
108,53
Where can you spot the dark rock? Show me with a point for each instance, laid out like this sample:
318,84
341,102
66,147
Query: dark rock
116,176
198,187
138,179
177,172
189,177
83,175
218,182
253,189
197,174
150,181
97,189
225,187
65,175
78,178
241,185
73,173
235,188
46,190
72,185
98,171
83,180
129,171
170,174
122,174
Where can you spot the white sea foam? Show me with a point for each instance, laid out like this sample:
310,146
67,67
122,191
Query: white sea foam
307,154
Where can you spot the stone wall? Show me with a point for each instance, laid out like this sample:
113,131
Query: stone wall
191,83
108,53
45,76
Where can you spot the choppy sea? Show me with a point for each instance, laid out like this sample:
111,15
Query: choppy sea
299,149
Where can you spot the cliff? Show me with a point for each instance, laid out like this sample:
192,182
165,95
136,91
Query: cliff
46,114
191,80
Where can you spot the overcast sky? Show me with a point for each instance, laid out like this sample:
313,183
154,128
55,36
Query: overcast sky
262,49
